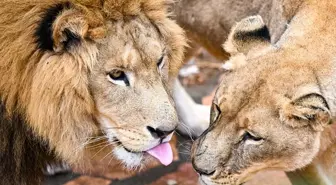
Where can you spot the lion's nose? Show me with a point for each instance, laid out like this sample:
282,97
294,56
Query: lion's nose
159,132
202,171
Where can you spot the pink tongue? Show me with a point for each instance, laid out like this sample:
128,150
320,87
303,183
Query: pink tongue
163,153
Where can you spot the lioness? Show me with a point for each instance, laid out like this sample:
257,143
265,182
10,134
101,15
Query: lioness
207,24
274,112
83,79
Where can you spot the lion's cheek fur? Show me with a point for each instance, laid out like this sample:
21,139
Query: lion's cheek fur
60,109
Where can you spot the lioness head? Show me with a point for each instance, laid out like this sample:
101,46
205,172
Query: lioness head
268,114
98,79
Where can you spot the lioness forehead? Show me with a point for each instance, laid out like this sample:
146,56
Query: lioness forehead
238,90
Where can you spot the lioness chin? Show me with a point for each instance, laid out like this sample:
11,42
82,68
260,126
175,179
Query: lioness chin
85,79
274,111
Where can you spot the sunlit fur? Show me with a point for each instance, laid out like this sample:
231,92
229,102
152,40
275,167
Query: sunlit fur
62,93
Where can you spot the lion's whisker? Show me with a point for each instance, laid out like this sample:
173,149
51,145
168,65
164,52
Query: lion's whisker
95,140
101,150
109,153
97,145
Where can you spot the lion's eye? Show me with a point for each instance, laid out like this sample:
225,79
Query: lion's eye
215,112
249,136
118,77
161,62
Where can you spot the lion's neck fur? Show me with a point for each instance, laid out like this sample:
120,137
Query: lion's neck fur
22,156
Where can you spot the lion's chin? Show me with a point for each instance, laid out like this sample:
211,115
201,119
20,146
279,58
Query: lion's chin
131,160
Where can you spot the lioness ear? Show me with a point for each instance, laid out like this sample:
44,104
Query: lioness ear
249,33
311,109
62,26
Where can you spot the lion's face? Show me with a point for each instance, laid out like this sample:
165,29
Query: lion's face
102,85
130,88
265,115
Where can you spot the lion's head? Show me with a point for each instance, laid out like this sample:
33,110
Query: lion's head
268,114
88,73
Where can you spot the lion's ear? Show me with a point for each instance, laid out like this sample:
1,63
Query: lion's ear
62,26
310,109
249,33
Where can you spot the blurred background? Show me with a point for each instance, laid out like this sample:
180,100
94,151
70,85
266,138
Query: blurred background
200,77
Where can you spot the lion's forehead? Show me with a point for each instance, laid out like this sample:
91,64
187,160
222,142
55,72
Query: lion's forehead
131,44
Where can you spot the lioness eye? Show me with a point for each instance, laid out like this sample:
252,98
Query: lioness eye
118,77
249,136
161,62
215,112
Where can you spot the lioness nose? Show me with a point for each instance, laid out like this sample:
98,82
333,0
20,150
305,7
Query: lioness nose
201,171
158,132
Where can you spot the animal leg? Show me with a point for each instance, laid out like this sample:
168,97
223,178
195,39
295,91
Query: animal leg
194,117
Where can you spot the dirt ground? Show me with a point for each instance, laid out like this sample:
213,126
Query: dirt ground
199,77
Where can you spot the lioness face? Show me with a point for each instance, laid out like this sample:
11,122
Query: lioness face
254,127
265,117
135,108
243,141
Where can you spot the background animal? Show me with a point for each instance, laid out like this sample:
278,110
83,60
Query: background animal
208,22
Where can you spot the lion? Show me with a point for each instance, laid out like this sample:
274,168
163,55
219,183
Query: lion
276,109
86,78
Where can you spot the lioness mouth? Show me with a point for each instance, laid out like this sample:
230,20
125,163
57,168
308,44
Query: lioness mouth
162,152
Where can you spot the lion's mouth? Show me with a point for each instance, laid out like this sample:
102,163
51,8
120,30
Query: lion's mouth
162,152
119,143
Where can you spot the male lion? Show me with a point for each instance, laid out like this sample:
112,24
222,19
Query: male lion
274,112
79,74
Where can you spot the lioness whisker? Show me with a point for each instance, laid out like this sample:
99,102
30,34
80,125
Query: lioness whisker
185,153
189,131
187,148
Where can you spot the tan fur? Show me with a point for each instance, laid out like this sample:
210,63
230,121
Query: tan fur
64,94
284,97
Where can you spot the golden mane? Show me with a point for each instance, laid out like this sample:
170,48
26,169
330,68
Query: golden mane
57,106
